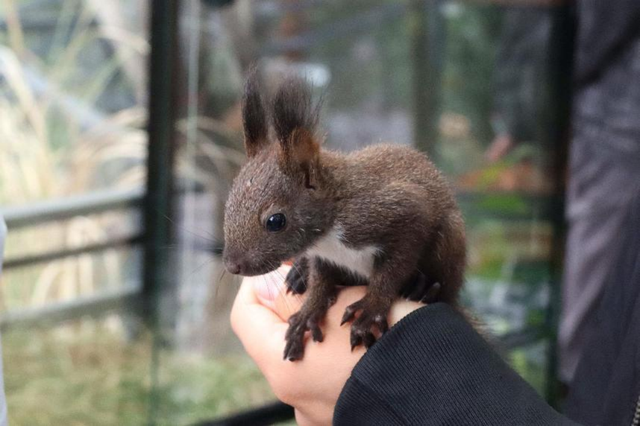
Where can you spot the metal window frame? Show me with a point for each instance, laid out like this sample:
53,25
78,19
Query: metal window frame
163,96
60,210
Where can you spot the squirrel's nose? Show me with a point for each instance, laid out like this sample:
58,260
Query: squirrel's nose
234,268
232,264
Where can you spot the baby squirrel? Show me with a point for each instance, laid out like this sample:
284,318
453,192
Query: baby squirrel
382,216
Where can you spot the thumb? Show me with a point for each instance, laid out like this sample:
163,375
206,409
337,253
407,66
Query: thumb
259,316
270,290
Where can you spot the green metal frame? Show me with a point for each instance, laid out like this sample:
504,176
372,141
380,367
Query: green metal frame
158,203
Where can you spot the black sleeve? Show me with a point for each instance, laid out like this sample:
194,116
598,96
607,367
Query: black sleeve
433,368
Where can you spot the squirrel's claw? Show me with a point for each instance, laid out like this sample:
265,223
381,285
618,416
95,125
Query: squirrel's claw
419,289
294,348
298,326
432,293
350,312
369,318
296,281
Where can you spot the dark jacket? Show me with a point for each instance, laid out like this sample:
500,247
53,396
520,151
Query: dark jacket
432,368
606,389
607,77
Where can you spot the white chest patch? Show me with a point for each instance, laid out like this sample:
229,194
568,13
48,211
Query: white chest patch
331,248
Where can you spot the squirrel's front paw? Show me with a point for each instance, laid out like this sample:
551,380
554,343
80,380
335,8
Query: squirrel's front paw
299,323
361,328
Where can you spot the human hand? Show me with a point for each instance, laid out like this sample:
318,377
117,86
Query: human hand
312,385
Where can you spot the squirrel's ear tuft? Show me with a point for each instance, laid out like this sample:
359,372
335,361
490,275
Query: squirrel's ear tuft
254,117
295,120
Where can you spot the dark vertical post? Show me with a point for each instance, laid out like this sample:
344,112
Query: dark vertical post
426,75
561,53
158,274
158,207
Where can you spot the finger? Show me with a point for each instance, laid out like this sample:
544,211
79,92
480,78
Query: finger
267,287
402,308
287,304
259,328
259,317
270,290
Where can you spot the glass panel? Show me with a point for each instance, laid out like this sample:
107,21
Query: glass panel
449,77
73,94
496,142
368,60
72,97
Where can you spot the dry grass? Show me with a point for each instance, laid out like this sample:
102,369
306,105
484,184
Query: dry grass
89,373
56,142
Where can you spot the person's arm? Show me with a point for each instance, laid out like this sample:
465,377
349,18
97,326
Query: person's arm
431,367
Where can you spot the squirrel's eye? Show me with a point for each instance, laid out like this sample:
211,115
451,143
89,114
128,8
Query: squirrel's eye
276,222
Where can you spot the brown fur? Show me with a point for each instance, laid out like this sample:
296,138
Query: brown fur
386,196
